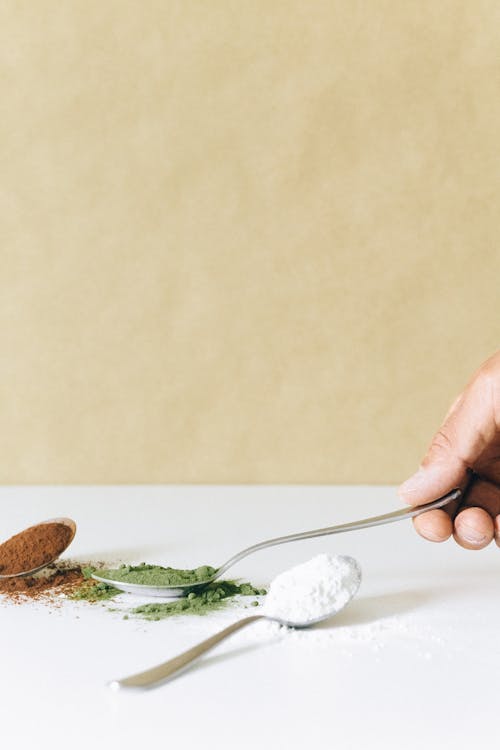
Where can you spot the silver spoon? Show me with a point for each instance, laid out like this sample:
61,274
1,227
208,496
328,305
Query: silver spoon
172,667
142,589
66,522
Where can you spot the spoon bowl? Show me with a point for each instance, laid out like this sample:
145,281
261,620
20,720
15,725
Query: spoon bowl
144,589
168,591
65,522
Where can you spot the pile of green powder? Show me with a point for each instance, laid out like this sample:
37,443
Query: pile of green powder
156,575
214,596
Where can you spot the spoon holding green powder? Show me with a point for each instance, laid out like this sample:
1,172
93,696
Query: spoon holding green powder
177,583
195,601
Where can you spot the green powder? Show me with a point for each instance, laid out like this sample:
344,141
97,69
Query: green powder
93,591
213,597
209,598
156,575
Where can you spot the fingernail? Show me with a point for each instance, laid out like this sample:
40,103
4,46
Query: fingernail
470,534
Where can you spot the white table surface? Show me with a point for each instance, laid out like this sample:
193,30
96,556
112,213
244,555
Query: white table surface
412,663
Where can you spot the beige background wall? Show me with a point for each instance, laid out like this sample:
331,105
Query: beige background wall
243,241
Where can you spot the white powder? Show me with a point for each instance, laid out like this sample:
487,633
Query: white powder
319,587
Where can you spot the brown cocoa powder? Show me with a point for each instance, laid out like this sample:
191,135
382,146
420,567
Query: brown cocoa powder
33,547
55,580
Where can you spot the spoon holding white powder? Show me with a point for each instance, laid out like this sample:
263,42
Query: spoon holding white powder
299,597
312,591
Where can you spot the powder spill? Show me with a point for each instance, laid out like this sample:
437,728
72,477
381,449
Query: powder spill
304,592
318,588
359,637
33,547
90,590
64,579
73,581
51,582
214,597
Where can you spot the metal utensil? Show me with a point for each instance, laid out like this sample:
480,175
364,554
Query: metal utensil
66,522
142,589
171,668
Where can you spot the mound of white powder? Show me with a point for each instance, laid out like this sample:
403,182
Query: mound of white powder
321,586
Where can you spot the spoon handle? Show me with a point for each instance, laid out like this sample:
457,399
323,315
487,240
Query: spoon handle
168,669
397,515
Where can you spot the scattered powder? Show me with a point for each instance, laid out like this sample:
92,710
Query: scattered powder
303,593
54,580
375,636
308,592
213,597
63,579
72,580
33,547
90,590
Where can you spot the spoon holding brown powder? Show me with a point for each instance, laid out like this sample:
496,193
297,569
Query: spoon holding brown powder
35,547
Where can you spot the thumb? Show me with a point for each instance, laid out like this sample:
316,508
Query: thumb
457,445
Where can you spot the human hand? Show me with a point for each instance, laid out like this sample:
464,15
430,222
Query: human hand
468,440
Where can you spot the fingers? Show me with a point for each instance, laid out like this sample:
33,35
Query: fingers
469,428
477,519
473,528
468,439
476,522
436,525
